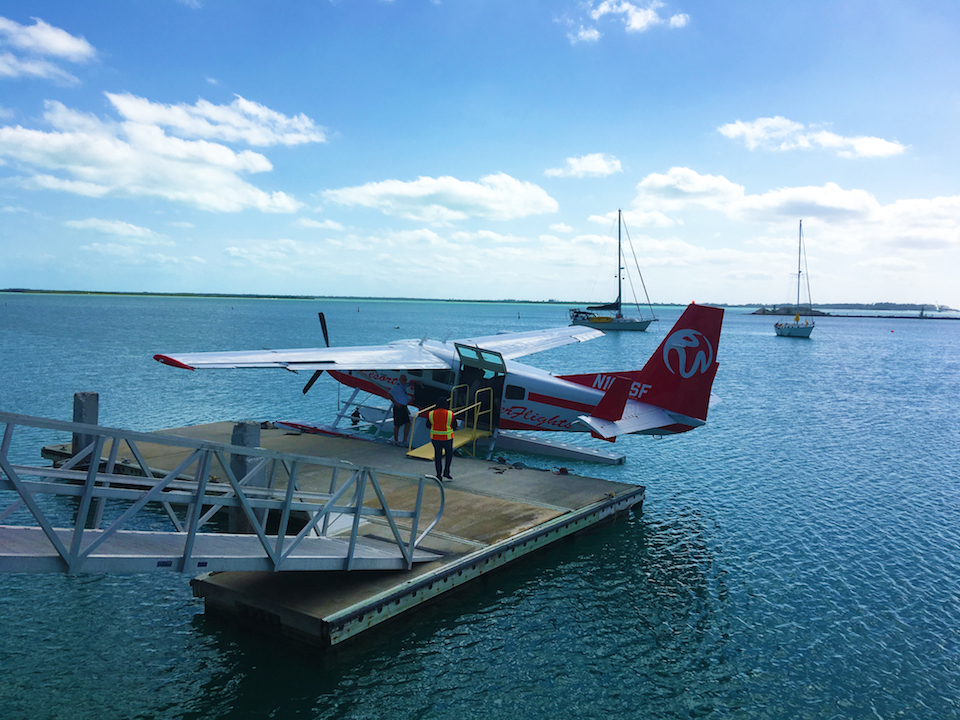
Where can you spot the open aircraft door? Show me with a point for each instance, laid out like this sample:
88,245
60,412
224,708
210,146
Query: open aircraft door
480,381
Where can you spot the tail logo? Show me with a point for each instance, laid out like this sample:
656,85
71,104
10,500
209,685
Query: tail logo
683,341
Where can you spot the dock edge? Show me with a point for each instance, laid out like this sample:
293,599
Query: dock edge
352,621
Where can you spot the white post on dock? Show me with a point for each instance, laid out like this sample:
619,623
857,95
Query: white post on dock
86,409
245,434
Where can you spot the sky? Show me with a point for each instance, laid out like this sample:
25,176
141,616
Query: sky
481,149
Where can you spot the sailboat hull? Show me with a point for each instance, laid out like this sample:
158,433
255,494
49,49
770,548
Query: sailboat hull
794,329
607,324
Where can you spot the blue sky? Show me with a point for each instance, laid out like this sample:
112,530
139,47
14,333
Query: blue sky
479,149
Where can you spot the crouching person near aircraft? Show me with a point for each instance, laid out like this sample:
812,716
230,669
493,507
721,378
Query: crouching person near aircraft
441,424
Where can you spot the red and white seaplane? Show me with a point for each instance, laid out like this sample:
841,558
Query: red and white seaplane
670,394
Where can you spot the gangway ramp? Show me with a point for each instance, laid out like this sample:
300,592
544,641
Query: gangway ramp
95,512
27,549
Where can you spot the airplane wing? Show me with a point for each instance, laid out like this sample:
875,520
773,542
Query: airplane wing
399,355
402,355
514,345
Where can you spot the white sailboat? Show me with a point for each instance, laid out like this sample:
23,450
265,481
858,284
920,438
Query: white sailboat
796,328
614,319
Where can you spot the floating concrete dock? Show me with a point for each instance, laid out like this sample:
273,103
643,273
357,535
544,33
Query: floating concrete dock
494,513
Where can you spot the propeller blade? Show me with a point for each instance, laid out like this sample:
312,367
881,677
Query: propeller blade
323,326
312,380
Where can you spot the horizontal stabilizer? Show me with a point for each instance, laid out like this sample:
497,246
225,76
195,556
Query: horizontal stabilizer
637,417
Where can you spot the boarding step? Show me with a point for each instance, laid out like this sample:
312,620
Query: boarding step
460,438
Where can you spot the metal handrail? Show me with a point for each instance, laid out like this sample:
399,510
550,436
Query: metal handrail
99,482
413,420
462,411
477,414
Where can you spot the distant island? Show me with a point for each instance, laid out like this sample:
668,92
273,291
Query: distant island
762,309
874,308
790,310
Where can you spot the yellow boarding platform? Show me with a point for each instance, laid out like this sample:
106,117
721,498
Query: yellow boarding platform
460,438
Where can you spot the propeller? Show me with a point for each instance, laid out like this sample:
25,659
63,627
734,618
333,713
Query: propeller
323,326
326,339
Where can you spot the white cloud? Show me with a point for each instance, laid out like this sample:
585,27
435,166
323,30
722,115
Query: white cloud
112,227
561,227
88,156
14,67
637,17
584,34
595,164
240,121
43,39
161,259
486,238
763,131
681,187
892,265
126,252
779,133
49,182
635,218
446,199
133,255
33,51
320,225
849,220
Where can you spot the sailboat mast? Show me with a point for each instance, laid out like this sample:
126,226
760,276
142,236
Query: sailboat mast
799,251
619,265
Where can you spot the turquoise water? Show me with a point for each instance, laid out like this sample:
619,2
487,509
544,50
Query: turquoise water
795,558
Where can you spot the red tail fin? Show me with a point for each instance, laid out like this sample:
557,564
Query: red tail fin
679,375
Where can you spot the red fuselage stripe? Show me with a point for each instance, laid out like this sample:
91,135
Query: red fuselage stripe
560,402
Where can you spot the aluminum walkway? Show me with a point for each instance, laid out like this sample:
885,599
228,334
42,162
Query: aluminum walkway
100,516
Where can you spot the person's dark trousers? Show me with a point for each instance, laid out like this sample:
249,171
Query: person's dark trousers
443,449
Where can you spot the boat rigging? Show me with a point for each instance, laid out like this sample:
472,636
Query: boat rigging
795,328
592,317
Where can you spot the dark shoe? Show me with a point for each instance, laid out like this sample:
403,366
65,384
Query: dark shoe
447,476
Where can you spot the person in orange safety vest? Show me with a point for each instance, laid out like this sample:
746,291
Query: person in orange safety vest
441,424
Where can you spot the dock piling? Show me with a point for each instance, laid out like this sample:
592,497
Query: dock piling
245,434
86,409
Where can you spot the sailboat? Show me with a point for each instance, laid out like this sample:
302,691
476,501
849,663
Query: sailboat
615,319
795,328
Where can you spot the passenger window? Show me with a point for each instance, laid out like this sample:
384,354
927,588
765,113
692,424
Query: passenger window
515,392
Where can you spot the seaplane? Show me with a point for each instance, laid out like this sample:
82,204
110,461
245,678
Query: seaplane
670,394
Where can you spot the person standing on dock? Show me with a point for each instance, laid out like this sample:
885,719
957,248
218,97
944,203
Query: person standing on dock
441,423
401,394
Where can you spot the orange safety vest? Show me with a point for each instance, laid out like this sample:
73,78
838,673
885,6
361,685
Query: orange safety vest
441,424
